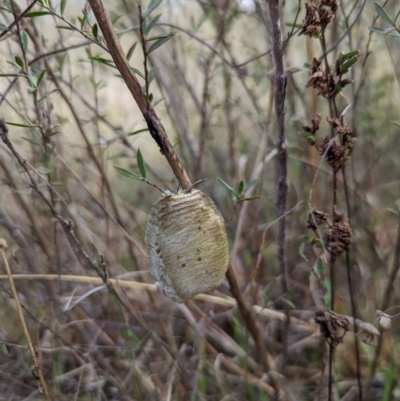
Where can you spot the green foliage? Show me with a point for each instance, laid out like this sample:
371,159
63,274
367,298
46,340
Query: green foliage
238,195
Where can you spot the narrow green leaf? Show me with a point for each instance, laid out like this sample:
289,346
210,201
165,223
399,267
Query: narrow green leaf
395,123
25,41
327,283
48,94
19,62
136,71
228,186
162,36
62,6
33,14
160,42
250,198
290,303
33,78
150,98
302,247
382,13
23,125
31,141
152,75
137,132
101,60
152,6
12,75
127,173
95,31
41,75
131,50
65,27
140,163
320,267
394,33
249,185
151,24
377,30
240,189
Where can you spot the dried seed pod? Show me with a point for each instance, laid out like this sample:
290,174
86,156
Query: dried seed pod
367,332
186,245
385,320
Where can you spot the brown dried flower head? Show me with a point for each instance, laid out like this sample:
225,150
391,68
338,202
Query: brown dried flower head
332,326
316,218
334,153
319,14
338,236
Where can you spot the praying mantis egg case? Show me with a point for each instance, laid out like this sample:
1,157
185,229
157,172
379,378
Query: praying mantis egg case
186,245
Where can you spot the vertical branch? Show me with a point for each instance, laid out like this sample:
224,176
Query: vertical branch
156,129
280,81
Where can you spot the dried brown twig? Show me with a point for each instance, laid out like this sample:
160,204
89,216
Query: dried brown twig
37,368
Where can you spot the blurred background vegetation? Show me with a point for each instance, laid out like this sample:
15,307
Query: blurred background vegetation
71,117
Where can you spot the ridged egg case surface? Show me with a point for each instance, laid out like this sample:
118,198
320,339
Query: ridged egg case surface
186,245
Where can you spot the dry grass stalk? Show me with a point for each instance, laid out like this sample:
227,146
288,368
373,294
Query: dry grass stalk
37,368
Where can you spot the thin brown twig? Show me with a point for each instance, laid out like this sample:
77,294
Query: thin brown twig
3,246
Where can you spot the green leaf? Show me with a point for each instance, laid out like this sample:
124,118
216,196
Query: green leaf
62,6
39,80
151,24
33,14
95,31
320,267
377,30
290,303
23,125
302,247
152,6
249,198
127,173
65,27
102,60
24,40
33,78
382,13
131,50
240,189
31,141
228,186
140,163
137,132
160,42
19,62
152,75
249,185
48,94
12,75
392,32
150,97
162,36
395,123
136,71
327,283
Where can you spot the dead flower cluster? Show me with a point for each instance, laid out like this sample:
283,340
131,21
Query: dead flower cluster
319,14
333,326
336,236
